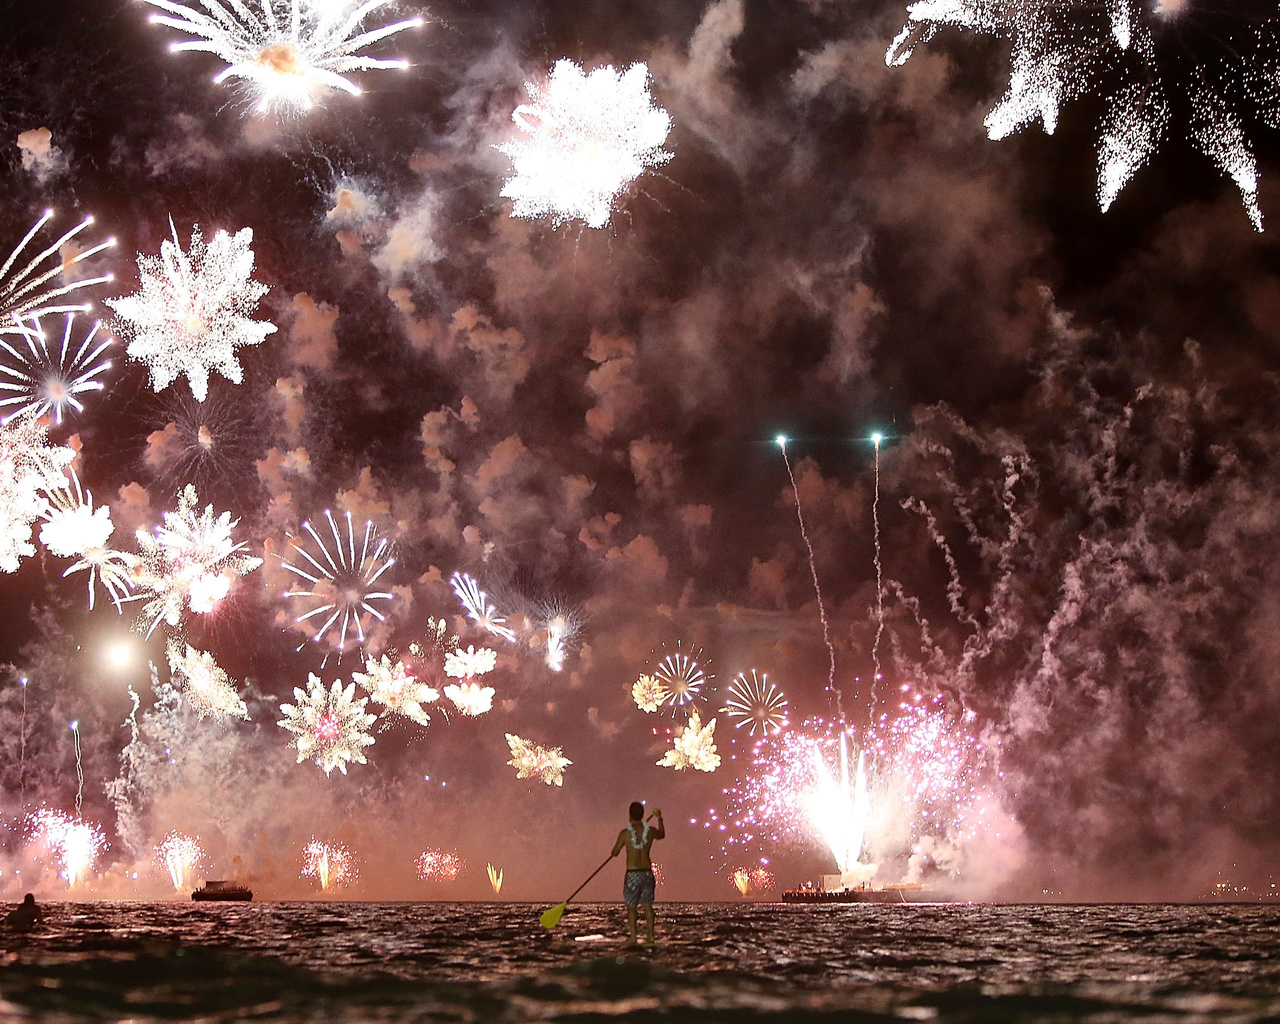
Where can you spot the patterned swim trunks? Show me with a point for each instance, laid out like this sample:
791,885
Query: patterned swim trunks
637,887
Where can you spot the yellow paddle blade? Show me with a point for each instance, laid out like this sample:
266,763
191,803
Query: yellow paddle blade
551,916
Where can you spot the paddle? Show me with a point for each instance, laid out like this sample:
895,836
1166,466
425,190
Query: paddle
551,916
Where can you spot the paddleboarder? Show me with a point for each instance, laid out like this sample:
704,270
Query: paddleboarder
26,916
637,885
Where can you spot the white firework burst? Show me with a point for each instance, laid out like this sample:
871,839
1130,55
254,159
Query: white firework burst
694,748
189,563
28,466
583,139
460,664
194,309
330,726
32,289
1145,60
73,527
341,579
38,377
479,610
284,53
648,693
389,683
755,704
207,687
681,676
530,759
471,699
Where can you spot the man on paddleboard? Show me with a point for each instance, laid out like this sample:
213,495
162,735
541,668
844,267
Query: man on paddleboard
637,885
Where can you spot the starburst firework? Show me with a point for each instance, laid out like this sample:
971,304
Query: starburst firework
530,759
330,727
681,676
479,610
179,855
471,699
189,562
29,291
438,865
28,465
38,377
389,683
1144,60
755,704
695,747
206,685
468,664
648,693
341,579
194,309
331,864
284,53
73,842
583,139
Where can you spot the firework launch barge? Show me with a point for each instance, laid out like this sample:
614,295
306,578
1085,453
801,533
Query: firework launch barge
904,892
222,891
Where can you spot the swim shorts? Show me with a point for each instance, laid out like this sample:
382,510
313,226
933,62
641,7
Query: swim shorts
637,887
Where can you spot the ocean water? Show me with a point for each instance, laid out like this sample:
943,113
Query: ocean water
492,962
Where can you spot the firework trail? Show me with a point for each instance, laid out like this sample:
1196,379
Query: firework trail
43,379
756,704
681,677
180,855
341,578
22,747
329,727
438,865
479,610
875,647
495,878
75,734
817,590
285,53
583,139
194,309
75,843
331,864
24,293
530,759
694,748
1136,58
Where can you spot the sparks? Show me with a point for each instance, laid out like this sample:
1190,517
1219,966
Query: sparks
530,759
73,842
180,856
329,727
694,748
342,579
755,704
28,292
283,53
208,689
331,864
189,562
495,878
583,139
39,377
648,693
389,683
194,309
479,610
439,865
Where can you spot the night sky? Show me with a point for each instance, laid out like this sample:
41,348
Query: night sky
1080,412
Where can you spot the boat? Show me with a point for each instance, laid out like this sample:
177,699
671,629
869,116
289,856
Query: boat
222,891
830,890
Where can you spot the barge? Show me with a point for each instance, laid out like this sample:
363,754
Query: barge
834,889
221,891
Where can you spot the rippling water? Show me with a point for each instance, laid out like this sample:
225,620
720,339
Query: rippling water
714,962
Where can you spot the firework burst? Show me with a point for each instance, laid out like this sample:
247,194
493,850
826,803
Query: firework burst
695,747
468,664
648,693
341,579
75,844
331,864
582,140
74,528
530,759
31,290
471,699
681,676
28,465
284,53
479,610
189,562
755,704
438,865
1143,60
495,878
180,856
330,727
41,377
194,310
208,689
389,683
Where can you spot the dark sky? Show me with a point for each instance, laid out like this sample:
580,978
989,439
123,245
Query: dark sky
1080,410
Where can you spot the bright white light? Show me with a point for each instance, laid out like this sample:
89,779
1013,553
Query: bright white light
119,655
876,438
